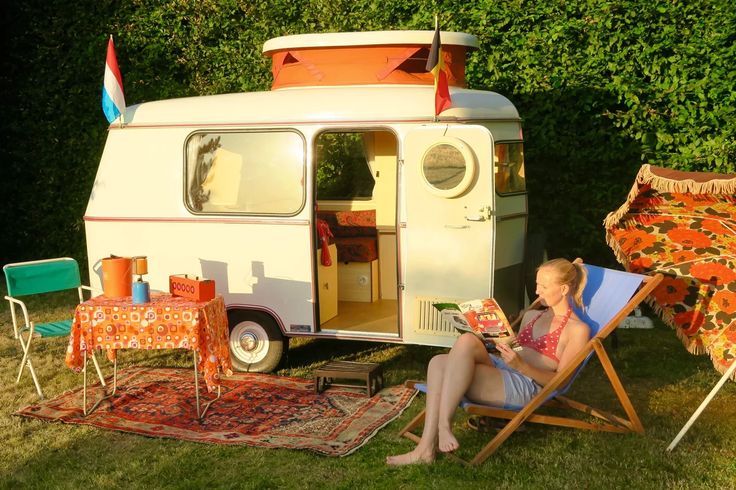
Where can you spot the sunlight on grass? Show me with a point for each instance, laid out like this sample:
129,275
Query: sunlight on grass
665,383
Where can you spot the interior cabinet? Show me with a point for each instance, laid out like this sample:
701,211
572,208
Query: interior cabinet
327,287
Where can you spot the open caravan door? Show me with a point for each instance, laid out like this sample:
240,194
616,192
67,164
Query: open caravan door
447,233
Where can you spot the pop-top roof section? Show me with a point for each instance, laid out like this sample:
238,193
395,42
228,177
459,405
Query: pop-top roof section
364,58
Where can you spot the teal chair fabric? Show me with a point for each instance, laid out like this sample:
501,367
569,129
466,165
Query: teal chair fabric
42,276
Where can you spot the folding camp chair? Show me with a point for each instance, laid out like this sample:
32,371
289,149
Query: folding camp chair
38,277
609,297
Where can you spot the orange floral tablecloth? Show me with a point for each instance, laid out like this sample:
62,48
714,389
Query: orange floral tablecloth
167,322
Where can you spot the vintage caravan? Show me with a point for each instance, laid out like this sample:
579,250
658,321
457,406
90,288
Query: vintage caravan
335,205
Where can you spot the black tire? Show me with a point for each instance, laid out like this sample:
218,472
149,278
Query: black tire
535,255
256,343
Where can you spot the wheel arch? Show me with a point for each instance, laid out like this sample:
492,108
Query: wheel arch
234,309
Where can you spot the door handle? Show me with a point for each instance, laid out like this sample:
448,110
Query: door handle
475,217
484,214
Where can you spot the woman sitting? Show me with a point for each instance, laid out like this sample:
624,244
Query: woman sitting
550,339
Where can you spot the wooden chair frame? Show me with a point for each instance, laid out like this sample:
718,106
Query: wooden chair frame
547,396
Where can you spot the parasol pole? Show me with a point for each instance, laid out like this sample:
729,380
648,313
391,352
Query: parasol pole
702,406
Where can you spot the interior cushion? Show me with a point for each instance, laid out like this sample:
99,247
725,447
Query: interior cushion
356,249
357,218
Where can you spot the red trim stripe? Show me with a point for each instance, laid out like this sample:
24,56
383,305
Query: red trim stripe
233,221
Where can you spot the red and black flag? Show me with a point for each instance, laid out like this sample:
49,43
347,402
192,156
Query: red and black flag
436,65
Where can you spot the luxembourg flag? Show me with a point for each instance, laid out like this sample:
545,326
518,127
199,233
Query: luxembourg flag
113,99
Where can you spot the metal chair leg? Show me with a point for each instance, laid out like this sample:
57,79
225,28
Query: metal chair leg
15,321
35,380
25,346
26,361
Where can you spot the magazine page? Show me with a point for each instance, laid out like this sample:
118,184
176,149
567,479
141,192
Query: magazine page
484,317
456,318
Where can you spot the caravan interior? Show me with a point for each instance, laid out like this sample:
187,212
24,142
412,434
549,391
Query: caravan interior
356,214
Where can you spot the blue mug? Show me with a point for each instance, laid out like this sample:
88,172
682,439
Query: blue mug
141,293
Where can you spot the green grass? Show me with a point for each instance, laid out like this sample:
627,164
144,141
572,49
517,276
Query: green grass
665,383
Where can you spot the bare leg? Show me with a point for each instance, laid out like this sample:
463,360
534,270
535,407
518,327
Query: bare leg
425,450
466,357
449,377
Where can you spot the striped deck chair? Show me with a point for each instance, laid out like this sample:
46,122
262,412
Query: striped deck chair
609,297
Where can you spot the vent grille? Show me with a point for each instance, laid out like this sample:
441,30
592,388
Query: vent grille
429,319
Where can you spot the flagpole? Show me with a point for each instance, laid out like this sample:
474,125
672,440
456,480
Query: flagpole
436,26
122,114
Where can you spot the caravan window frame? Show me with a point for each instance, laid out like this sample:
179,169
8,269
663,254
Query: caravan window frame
431,168
299,171
498,182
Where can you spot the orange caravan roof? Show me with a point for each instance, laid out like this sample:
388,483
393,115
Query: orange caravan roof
364,58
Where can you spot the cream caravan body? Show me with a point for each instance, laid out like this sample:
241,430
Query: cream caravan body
232,187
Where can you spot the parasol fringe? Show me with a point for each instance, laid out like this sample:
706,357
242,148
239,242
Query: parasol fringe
620,256
722,369
718,184
695,349
646,176
614,217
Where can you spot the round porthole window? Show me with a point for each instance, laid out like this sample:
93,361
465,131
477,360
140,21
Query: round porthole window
448,167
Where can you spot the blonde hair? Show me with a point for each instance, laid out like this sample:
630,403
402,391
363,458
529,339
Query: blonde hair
574,275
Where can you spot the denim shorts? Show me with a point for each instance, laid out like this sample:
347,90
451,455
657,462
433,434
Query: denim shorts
519,389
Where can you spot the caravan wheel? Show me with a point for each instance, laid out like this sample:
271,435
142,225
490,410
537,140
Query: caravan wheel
256,343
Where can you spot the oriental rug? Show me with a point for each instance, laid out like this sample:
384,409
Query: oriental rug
255,409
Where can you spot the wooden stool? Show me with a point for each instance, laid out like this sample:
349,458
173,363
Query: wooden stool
368,372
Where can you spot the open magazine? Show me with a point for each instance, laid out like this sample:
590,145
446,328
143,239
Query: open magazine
483,317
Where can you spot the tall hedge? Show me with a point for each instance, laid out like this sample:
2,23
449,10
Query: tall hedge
602,86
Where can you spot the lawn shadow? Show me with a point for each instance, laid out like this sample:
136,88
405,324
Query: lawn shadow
398,361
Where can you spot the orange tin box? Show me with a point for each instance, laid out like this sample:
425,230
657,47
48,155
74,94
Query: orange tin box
192,287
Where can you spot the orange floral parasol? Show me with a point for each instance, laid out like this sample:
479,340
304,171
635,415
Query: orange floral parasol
683,224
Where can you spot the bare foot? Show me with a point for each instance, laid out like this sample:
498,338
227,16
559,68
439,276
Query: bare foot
447,441
412,457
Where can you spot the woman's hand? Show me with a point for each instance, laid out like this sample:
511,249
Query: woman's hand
510,357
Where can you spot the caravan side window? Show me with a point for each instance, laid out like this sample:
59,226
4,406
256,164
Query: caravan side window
245,172
509,168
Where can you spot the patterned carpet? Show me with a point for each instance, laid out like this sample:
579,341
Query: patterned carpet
255,409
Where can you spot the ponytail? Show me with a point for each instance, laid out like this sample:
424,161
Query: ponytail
581,279
572,274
